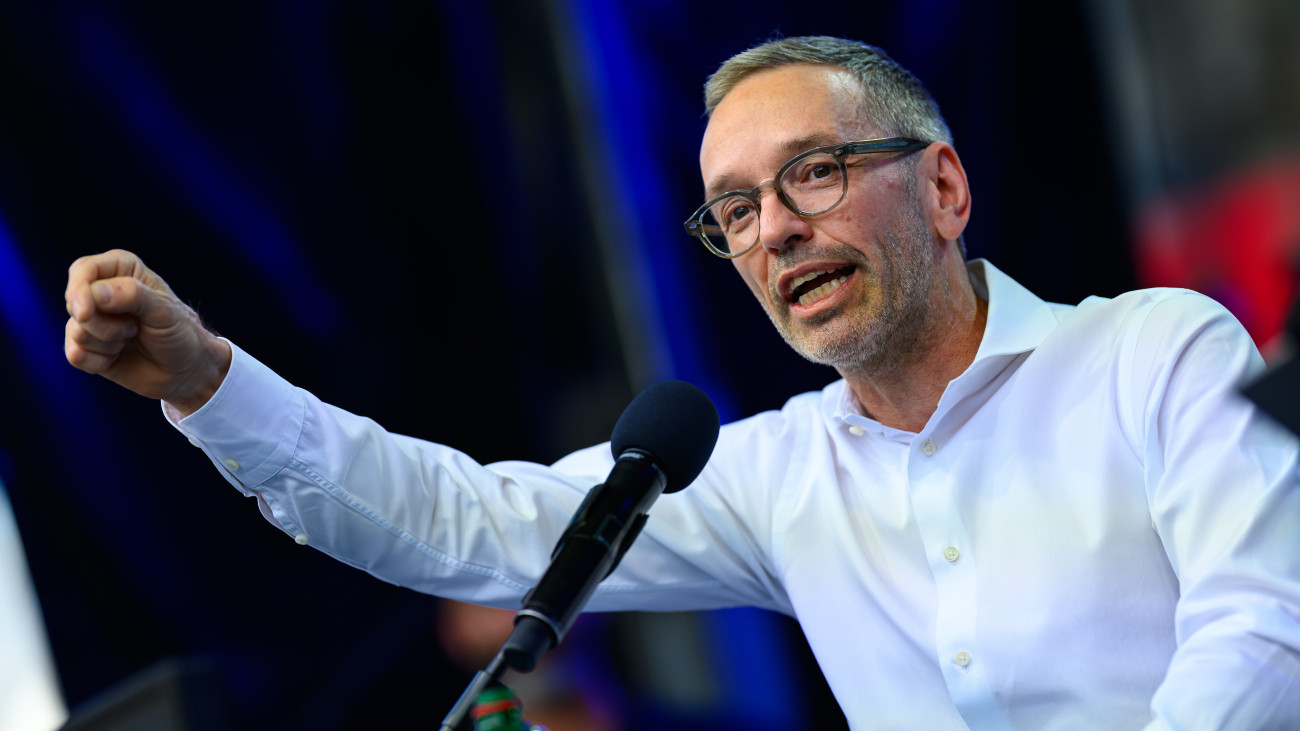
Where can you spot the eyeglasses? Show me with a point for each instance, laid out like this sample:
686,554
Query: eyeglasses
810,184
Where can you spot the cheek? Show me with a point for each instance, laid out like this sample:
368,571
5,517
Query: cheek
867,205
753,275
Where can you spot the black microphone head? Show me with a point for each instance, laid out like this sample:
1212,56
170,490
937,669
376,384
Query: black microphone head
676,423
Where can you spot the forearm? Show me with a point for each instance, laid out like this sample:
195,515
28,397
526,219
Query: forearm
1241,672
1237,665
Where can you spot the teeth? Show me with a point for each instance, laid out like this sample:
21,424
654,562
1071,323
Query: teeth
794,284
817,294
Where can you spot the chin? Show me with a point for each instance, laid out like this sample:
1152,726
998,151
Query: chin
837,347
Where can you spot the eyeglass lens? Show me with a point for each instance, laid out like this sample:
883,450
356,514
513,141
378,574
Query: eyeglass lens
812,185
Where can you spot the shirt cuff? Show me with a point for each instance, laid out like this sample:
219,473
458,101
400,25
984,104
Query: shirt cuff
250,426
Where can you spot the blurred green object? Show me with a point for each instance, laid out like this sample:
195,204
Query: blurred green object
499,709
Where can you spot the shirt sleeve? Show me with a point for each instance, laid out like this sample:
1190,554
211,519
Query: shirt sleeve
1222,488
428,517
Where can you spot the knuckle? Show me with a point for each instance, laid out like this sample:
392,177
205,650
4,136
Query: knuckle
127,258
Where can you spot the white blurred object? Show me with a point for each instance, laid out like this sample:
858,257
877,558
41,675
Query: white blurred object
29,691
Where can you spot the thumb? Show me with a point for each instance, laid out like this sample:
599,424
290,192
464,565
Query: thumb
129,296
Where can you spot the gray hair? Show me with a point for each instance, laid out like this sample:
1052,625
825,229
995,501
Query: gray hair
892,98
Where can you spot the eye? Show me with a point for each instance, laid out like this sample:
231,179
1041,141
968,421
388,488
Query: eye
736,211
814,173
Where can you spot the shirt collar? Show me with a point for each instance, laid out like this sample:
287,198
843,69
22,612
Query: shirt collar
1018,320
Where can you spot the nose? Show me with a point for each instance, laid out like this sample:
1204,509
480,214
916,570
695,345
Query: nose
779,228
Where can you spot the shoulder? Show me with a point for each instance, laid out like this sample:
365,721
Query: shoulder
1132,308
764,448
1152,323
1172,351
796,414
1137,344
758,446
749,451
762,461
803,419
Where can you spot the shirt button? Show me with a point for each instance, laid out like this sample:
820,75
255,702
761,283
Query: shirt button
232,465
301,539
951,553
928,448
856,430
962,658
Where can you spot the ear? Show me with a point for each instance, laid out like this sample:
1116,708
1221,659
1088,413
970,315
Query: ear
945,190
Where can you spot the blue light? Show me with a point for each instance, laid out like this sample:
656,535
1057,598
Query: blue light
627,93
38,339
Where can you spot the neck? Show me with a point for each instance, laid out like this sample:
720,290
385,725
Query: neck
902,390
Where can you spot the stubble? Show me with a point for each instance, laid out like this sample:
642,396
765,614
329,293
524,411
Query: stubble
887,330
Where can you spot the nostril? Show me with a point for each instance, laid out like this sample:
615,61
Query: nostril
779,245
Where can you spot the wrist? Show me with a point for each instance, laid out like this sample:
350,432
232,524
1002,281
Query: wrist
204,380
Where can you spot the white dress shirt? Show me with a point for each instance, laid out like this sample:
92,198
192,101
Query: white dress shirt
1092,531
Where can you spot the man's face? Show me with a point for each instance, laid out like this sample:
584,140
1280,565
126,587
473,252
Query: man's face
847,288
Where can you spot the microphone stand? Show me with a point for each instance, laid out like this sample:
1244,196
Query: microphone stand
457,719
527,642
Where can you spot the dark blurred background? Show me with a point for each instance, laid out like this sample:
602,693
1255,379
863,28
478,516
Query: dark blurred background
463,219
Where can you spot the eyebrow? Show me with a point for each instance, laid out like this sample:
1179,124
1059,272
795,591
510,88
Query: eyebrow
789,148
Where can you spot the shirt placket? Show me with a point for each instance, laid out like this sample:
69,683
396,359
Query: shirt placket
952,560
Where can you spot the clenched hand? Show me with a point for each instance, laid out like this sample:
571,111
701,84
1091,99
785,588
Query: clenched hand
126,325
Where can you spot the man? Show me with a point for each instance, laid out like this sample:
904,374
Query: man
1007,514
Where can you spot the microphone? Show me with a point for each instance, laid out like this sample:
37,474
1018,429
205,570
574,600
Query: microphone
660,444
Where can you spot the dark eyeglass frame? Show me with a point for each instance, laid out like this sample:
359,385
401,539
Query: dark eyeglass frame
696,227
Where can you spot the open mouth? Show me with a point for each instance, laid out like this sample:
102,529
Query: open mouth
808,289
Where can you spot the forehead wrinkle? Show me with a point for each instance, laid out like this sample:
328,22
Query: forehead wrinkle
793,147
